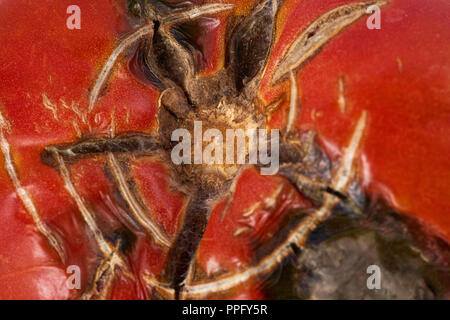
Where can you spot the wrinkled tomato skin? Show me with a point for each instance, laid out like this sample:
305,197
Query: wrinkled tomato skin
39,56
400,75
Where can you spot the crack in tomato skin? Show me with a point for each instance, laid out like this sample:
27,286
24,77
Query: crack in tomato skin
220,247
181,253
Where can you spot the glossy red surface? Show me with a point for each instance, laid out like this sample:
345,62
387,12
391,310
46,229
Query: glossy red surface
400,75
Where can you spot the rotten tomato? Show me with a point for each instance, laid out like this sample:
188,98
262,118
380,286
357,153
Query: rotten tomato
242,149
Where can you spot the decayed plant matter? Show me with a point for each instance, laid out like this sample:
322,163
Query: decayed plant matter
225,99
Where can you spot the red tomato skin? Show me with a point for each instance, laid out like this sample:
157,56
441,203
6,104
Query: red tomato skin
399,75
